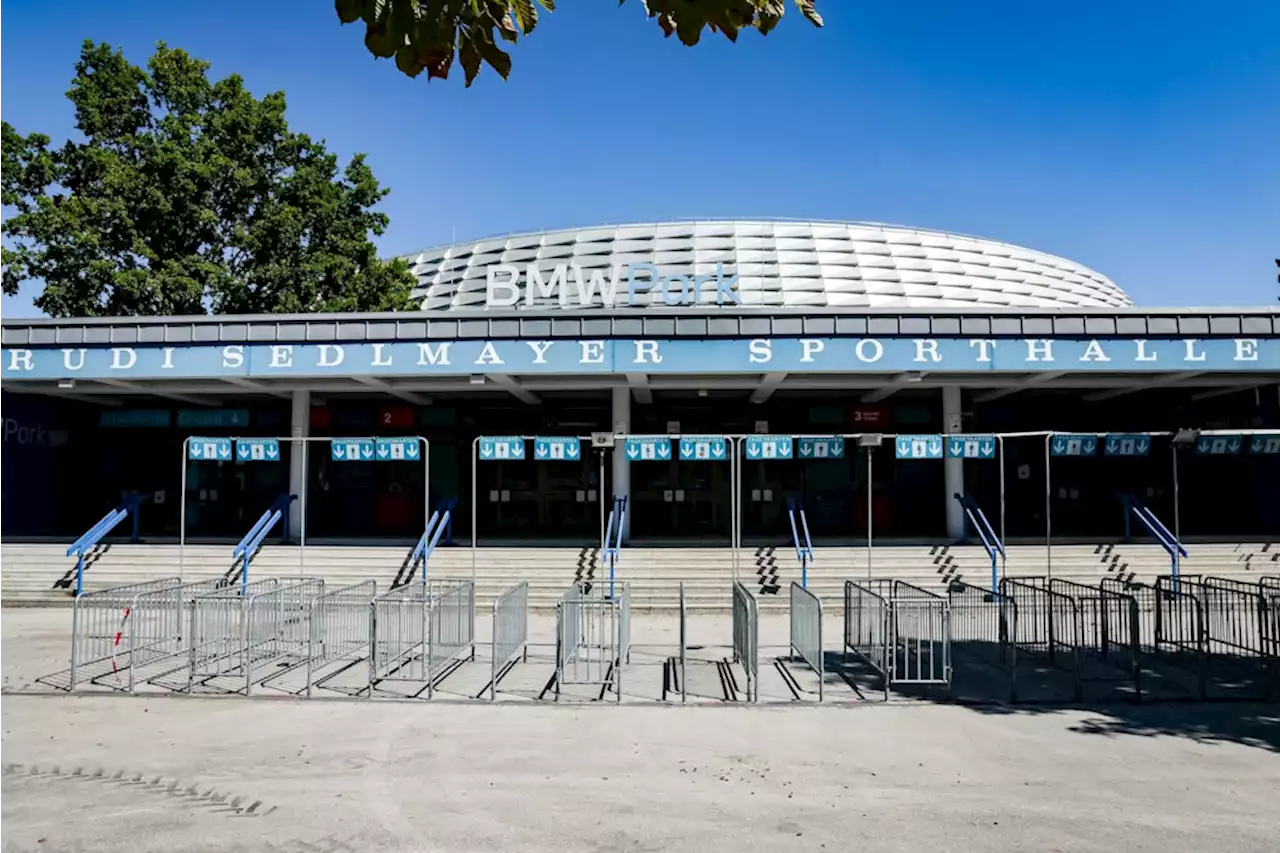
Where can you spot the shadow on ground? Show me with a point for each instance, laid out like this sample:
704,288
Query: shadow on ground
1226,700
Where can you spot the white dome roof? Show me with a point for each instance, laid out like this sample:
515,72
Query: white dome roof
784,264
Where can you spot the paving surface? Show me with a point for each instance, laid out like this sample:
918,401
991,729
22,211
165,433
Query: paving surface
161,772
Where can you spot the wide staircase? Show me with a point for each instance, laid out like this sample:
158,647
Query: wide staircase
43,574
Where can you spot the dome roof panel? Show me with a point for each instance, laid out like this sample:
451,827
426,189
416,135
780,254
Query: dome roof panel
831,264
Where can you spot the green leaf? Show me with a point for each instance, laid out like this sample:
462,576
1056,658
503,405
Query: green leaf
526,14
349,11
381,43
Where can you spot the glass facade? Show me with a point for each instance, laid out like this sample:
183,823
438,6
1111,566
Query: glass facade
67,463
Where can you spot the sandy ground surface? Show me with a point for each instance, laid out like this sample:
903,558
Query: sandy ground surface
167,772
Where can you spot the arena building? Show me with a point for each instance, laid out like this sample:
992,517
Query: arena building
794,340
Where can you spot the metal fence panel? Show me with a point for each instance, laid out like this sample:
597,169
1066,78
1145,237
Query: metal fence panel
339,627
119,630
451,617
278,625
1233,613
1109,626
1048,624
398,642
684,640
921,636
97,622
866,625
218,638
590,637
806,631
420,631
746,637
510,631
983,620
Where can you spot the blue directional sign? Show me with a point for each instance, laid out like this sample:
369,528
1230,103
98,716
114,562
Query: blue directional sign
821,448
768,447
495,447
647,448
1074,445
1218,445
1265,444
1127,445
213,449
351,449
557,448
918,447
971,447
257,449
705,448
401,449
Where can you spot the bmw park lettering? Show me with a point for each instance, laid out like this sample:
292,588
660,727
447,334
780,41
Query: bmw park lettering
503,285
690,356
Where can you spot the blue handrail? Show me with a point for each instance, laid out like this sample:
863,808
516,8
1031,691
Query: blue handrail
1135,507
447,505
804,548
252,541
90,538
278,505
426,536
613,536
436,525
986,534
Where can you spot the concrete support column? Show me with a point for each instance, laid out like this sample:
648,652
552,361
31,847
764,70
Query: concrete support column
953,469
299,427
621,424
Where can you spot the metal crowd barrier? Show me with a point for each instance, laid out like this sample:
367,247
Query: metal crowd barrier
900,630
339,628
1269,588
1048,621
921,636
866,625
684,645
235,632
510,632
806,631
592,636
420,631
121,629
1108,627
217,630
1236,621
746,638
983,622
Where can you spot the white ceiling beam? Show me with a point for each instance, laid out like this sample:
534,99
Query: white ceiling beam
902,380
512,386
1030,382
1221,392
135,388
1143,385
256,387
768,384
387,388
639,383
97,398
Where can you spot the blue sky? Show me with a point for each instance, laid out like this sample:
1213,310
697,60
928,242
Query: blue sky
1139,138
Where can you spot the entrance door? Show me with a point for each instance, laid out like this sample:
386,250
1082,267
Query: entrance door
540,499
676,499
765,489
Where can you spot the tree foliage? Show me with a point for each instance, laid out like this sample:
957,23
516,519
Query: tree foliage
427,35
187,195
